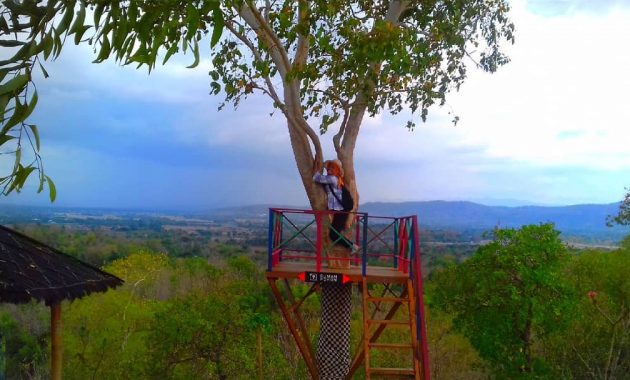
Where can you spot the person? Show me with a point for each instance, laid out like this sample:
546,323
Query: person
333,183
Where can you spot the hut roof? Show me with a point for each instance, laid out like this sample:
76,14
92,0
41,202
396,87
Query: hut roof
32,270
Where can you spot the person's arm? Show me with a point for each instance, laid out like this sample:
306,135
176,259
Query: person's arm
325,179
318,166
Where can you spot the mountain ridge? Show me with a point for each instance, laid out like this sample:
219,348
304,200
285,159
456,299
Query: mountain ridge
467,214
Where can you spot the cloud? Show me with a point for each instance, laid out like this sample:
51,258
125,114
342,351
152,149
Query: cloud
554,8
550,127
565,77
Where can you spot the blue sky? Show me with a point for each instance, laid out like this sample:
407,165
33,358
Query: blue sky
551,127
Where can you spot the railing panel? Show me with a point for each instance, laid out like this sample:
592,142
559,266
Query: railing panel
302,236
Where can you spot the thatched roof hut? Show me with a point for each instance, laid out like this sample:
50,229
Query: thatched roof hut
30,270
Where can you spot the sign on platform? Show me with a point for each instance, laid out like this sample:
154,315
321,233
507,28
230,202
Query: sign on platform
336,278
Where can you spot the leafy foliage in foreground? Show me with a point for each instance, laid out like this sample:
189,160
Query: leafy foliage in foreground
506,294
178,319
186,318
533,311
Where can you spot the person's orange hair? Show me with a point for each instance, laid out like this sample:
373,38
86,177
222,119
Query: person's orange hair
336,164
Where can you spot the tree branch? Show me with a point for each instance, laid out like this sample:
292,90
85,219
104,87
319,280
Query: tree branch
250,14
342,128
395,9
271,90
303,45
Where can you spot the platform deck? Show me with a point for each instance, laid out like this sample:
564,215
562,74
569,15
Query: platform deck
374,274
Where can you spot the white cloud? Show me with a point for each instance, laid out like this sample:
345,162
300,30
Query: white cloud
566,78
551,126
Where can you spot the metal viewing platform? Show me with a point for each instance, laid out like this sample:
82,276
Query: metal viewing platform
299,248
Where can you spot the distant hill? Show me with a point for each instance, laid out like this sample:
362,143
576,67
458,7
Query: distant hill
578,223
463,214
585,223
473,215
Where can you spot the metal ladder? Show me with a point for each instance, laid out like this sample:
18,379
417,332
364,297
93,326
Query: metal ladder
370,340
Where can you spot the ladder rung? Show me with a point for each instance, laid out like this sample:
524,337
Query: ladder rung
392,371
387,299
388,322
390,345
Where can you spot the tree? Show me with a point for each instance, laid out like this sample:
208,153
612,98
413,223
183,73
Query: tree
324,64
507,295
597,341
623,216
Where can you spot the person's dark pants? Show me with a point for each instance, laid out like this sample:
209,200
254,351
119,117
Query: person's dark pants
335,233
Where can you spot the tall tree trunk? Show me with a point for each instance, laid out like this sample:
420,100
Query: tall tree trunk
336,300
527,337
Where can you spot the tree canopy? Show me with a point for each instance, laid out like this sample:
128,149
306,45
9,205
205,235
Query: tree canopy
623,215
510,291
324,64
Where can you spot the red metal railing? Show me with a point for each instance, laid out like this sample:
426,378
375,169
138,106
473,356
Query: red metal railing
298,236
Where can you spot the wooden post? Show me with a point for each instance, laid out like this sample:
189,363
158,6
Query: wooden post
2,359
55,341
260,353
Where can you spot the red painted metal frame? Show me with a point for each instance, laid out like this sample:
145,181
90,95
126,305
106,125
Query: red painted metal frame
417,271
279,254
407,253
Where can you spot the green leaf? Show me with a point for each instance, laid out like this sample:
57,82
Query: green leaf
66,19
98,12
18,158
120,34
105,50
123,50
23,53
78,22
133,11
80,33
5,138
169,53
24,173
31,106
51,188
17,82
192,18
41,185
219,23
4,100
3,25
57,43
43,70
18,116
196,54
48,44
33,128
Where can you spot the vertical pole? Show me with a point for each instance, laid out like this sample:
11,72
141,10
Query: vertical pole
409,239
364,245
260,353
55,341
3,365
357,238
318,243
396,244
357,230
280,233
270,242
426,373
